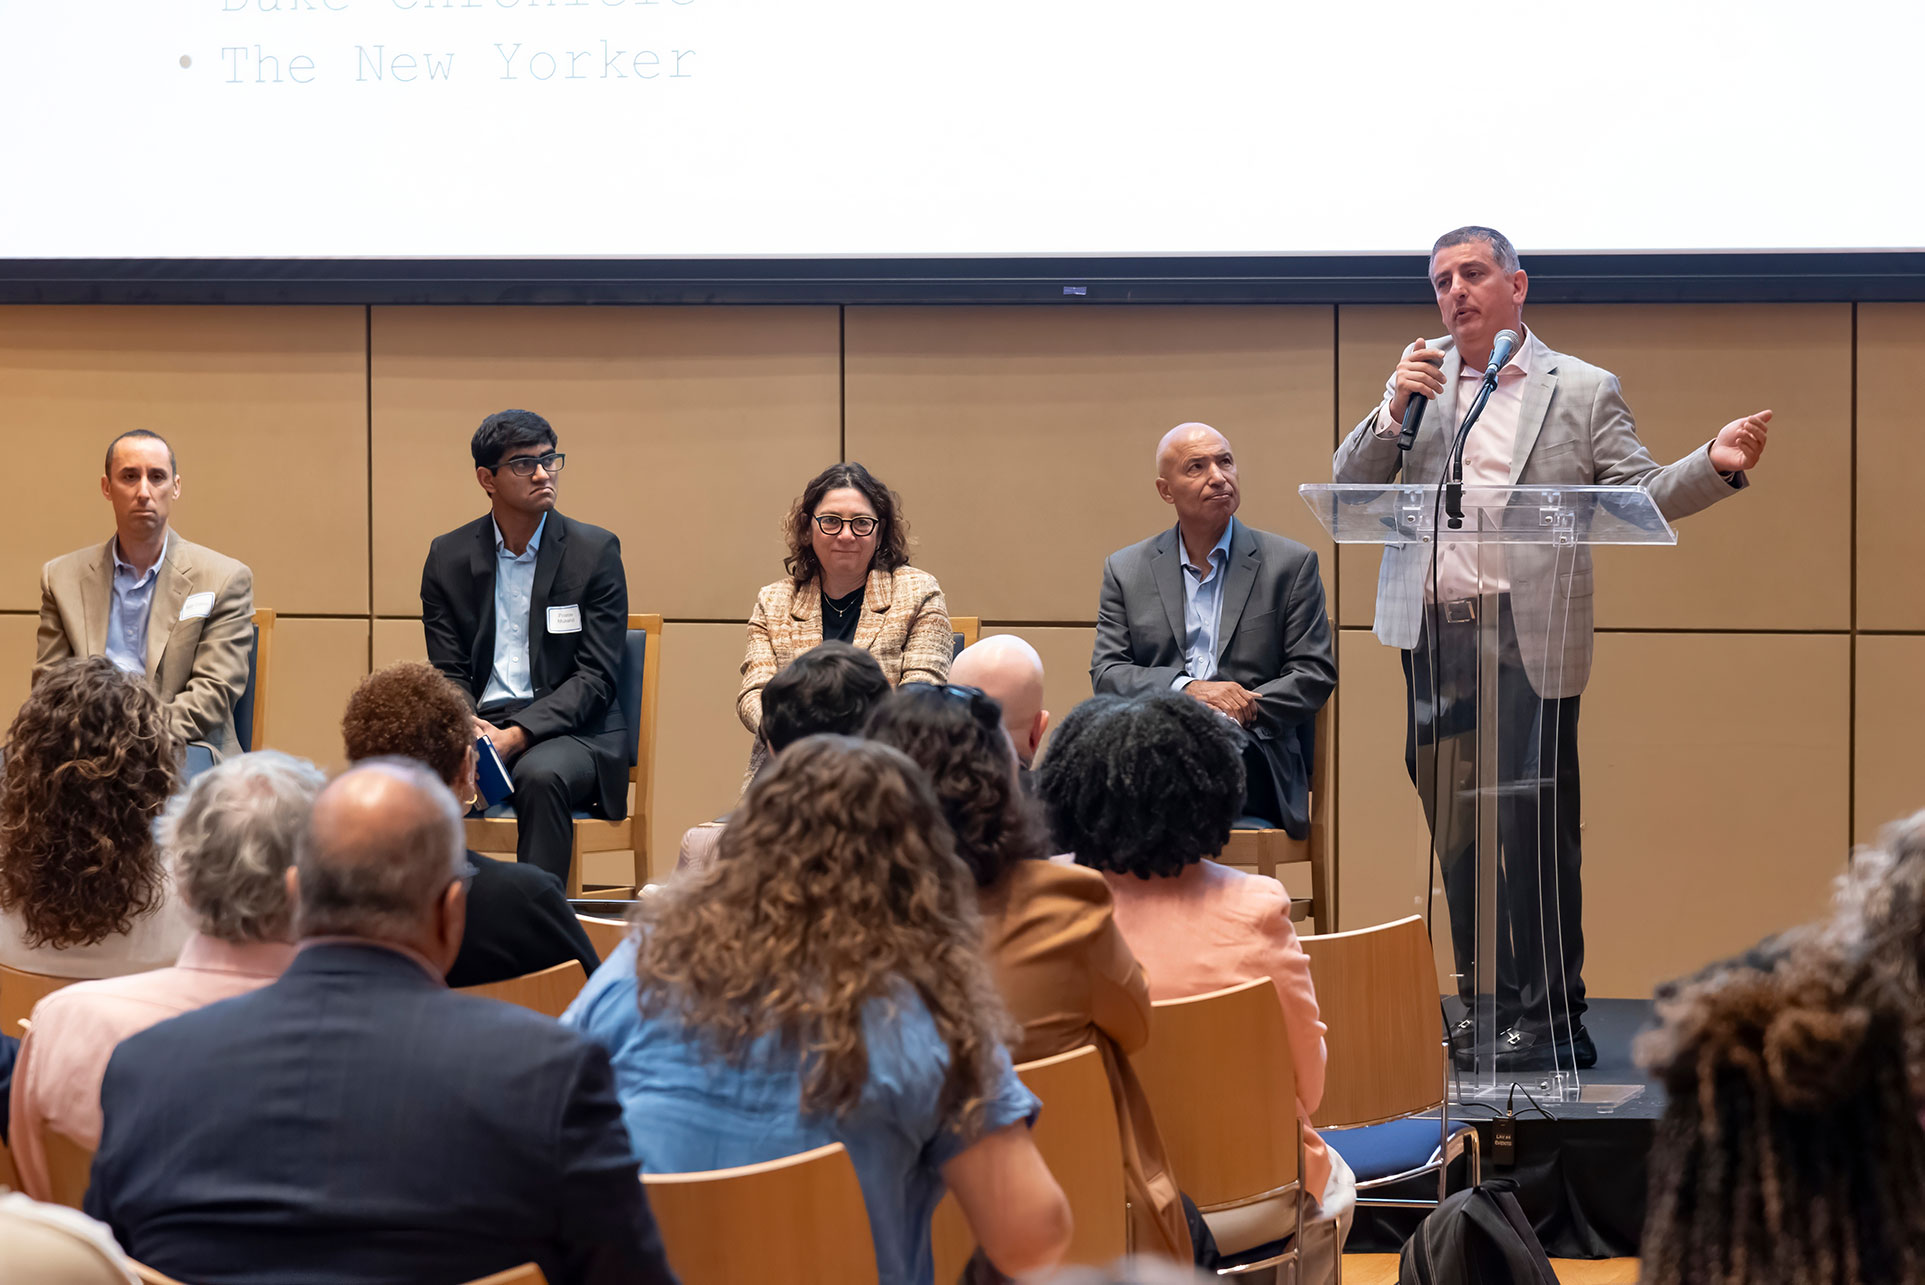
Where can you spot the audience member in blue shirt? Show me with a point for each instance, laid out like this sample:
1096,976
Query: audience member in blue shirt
837,919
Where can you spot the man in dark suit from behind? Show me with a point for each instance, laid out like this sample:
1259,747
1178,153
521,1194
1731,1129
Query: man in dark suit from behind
356,1121
1229,615
527,610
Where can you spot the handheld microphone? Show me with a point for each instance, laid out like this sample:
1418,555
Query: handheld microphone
1500,353
1413,416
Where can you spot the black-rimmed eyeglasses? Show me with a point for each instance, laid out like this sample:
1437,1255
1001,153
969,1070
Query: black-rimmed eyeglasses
832,524
524,466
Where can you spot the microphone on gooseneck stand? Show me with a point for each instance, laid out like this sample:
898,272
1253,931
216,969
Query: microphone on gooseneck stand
1454,489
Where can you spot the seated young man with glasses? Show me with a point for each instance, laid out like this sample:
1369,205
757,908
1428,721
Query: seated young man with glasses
527,611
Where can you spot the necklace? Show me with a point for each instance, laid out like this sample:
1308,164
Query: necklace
847,600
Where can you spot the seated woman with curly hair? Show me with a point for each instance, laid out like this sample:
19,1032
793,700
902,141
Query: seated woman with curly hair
518,920
1789,1149
1052,942
1145,789
90,761
823,982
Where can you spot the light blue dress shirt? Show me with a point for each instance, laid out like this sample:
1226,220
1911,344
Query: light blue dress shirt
1202,609
133,603
510,679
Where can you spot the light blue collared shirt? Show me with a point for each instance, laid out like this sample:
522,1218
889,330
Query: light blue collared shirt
1202,608
133,603
511,679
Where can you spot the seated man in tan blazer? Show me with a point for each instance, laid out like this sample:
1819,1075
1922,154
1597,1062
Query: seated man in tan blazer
153,603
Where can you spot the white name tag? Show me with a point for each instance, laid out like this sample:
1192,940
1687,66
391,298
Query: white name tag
197,606
564,620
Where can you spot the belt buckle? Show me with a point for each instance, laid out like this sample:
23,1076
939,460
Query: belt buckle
1460,611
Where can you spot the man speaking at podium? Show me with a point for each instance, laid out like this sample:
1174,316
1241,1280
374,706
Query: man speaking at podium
1551,419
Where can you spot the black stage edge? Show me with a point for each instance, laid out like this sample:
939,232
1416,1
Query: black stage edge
1580,1172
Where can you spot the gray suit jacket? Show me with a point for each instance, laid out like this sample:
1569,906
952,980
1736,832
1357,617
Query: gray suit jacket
1274,639
198,665
1573,429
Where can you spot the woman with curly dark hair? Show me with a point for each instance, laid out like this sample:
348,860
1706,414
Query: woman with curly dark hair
90,761
1789,1149
1063,968
822,982
1145,789
848,579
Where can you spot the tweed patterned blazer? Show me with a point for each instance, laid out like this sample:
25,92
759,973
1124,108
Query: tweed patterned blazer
904,625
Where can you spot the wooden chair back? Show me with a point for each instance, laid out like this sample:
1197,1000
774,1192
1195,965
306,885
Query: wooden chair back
550,991
641,771
1377,991
70,1168
9,1176
526,1274
20,991
603,934
1221,1083
964,630
250,712
800,1220
148,1276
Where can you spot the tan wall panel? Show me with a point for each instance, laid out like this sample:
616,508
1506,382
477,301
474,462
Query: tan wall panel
266,409
1890,777
317,664
1710,819
703,747
1383,850
1065,653
396,640
16,664
1022,439
689,431
1686,370
1891,546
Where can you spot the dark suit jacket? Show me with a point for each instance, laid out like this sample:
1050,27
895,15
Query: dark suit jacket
1274,639
573,674
518,922
356,1121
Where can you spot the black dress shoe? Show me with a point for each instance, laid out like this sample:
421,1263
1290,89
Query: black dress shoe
1519,1049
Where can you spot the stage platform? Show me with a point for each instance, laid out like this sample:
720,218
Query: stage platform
1579,1165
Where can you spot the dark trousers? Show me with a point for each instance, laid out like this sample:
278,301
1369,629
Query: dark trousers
551,780
1540,902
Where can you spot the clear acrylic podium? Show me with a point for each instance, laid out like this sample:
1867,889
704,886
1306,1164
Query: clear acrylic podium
1506,572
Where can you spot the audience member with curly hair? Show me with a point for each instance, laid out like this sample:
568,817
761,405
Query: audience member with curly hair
1063,967
229,841
1145,789
822,983
518,920
90,761
1789,1149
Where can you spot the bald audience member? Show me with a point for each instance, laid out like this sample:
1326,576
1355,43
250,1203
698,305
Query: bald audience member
1007,669
356,1121
1230,616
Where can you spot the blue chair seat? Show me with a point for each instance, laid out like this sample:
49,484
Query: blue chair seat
505,811
1378,1151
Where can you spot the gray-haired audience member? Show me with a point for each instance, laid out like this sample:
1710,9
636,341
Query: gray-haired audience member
829,688
371,1125
229,839
1007,669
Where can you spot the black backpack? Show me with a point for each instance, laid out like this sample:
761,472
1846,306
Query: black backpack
1476,1237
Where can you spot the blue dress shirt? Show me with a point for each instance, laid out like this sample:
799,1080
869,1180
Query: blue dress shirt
1202,609
510,678
132,604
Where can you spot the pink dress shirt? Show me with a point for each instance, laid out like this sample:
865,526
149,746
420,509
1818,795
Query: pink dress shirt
56,1082
1212,927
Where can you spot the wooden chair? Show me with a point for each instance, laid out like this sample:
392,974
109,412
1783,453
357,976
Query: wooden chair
1377,991
70,1168
967,629
20,991
603,934
149,1276
526,1274
1261,851
1222,1085
799,1220
637,692
9,1176
250,712
1076,1134
550,991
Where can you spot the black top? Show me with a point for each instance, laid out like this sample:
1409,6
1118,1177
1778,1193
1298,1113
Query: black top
839,615
518,923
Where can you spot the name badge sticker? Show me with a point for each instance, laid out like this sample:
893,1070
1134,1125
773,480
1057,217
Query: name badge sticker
197,606
565,620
